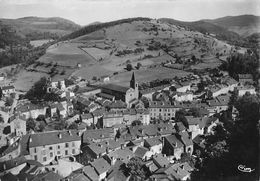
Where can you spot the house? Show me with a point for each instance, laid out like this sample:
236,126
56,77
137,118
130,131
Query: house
88,91
143,153
98,135
106,96
112,118
183,86
18,126
210,123
187,142
13,166
95,150
183,96
172,147
153,144
6,90
245,78
10,152
87,118
243,89
73,119
160,161
44,147
117,105
29,110
105,78
163,110
123,154
195,126
218,89
98,115
90,173
101,166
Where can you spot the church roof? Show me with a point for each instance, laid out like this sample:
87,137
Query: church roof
114,87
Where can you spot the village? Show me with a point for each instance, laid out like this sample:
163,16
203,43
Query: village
92,132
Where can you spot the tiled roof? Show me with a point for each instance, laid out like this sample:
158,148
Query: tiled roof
123,154
161,161
100,165
153,141
140,152
186,139
12,163
97,148
104,133
86,116
90,172
53,137
172,139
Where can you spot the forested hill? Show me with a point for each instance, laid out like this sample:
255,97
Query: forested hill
94,27
35,28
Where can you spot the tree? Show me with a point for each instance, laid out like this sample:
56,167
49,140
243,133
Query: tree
136,123
30,124
180,117
129,67
9,101
73,126
40,118
135,167
233,144
145,101
38,91
138,65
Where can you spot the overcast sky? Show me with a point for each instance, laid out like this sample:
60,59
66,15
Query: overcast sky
87,11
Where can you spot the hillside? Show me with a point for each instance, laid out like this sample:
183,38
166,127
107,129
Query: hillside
34,28
106,49
204,27
244,25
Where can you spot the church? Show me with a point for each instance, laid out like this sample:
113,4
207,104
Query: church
126,94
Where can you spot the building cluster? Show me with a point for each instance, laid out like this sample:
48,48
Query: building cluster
108,125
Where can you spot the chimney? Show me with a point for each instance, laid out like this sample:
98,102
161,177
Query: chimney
59,135
4,166
69,131
30,140
182,167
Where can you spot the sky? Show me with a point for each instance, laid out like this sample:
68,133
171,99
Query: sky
84,12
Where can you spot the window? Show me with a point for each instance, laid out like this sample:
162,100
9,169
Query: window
73,151
51,154
43,152
66,145
160,110
35,157
35,150
58,152
58,146
44,159
50,147
66,152
73,144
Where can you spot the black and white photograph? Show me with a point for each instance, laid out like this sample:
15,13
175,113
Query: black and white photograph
129,90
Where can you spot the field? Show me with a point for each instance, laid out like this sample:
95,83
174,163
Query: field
25,80
97,53
37,43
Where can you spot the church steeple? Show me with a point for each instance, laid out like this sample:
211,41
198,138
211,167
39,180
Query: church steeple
132,81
